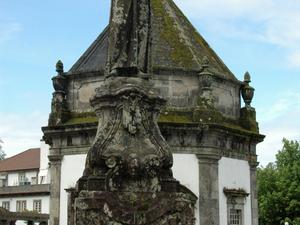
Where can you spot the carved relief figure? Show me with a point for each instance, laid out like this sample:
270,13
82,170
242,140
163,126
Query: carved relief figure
129,36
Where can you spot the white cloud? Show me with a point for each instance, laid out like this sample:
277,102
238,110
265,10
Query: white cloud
274,22
9,30
294,59
268,149
278,121
287,102
271,21
275,132
21,131
224,9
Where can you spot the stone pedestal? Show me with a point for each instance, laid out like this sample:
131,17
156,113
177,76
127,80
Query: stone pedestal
116,208
128,177
248,119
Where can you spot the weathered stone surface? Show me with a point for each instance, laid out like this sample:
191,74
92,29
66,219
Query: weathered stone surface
202,116
208,186
128,142
176,46
160,208
129,30
59,107
128,177
55,170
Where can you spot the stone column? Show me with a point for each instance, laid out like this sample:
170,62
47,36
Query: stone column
208,189
254,197
71,199
55,169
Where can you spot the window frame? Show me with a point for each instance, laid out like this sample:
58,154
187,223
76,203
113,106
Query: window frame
236,203
21,175
39,201
236,199
7,203
21,205
238,216
34,181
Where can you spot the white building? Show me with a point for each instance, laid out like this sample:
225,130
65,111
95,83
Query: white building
25,181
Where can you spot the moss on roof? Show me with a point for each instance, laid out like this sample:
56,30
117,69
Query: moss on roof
179,51
175,43
171,116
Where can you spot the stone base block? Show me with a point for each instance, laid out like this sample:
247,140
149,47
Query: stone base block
248,119
118,208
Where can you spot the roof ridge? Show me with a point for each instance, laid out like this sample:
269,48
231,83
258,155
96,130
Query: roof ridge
30,149
205,43
26,160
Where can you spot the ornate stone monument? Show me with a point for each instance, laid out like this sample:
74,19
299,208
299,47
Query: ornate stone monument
128,177
150,49
128,46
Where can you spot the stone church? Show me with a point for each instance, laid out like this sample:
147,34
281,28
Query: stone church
212,136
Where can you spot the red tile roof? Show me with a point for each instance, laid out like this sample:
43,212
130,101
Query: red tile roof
27,160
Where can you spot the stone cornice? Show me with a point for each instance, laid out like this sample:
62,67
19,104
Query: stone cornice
190,139
253,164
235,193
55,158
213,127
165,125
204,158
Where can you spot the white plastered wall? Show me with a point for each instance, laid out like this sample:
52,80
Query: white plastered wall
234,174
13,177
29,202
185,170
72,167
44,173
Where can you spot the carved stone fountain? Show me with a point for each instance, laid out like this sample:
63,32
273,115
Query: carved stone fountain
128,177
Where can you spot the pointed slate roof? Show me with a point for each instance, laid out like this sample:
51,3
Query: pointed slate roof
176,44
94,58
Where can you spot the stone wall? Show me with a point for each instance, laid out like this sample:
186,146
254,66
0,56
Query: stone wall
180,91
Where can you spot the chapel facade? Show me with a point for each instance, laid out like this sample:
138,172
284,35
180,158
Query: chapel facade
212,136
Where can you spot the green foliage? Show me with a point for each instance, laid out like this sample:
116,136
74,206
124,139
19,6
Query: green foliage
2,153
279,187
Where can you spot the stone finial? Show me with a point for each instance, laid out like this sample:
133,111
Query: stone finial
247,78
205,74
59,108
59,67
60,80
205,62
247,91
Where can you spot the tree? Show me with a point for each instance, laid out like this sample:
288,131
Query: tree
279,187
2,153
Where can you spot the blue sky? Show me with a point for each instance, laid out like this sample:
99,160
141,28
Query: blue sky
262,37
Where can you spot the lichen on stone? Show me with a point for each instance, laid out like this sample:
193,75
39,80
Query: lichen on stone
180,53
81,118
